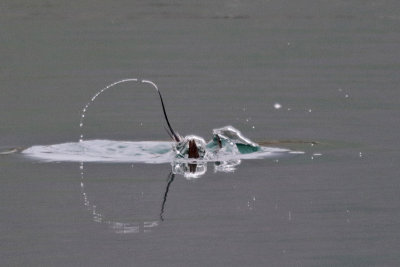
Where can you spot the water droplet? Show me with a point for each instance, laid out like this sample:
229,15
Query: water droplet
253,127
346,96
81,124
310,110
277,106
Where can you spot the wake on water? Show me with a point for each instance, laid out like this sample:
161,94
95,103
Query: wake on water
156,152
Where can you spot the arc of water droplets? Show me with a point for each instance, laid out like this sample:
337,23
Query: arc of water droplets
117,227
98,217
101,91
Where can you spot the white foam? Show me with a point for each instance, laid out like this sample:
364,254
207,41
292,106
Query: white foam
155,152
104,151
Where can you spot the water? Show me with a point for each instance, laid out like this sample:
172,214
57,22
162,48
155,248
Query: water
155,152
332,68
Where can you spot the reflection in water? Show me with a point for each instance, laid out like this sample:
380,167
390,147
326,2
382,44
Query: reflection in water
195,169
123,227
115,226
223,160
188,170
171,178
226,166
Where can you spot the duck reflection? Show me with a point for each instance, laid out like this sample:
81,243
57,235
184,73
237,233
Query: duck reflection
188,170
192,170
116,226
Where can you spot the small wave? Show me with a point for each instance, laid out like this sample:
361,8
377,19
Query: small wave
154,152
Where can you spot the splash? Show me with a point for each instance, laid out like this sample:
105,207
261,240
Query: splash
86,107
225,150
187,155
152,152
170,131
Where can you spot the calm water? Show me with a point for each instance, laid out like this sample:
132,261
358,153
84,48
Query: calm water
333,67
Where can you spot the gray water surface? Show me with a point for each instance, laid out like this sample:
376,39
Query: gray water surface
333,66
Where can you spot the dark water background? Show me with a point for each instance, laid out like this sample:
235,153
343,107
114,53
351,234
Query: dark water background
217,64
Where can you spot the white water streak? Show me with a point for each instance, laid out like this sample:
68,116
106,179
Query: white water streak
155,152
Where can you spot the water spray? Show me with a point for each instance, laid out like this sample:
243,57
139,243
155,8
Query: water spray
170,131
